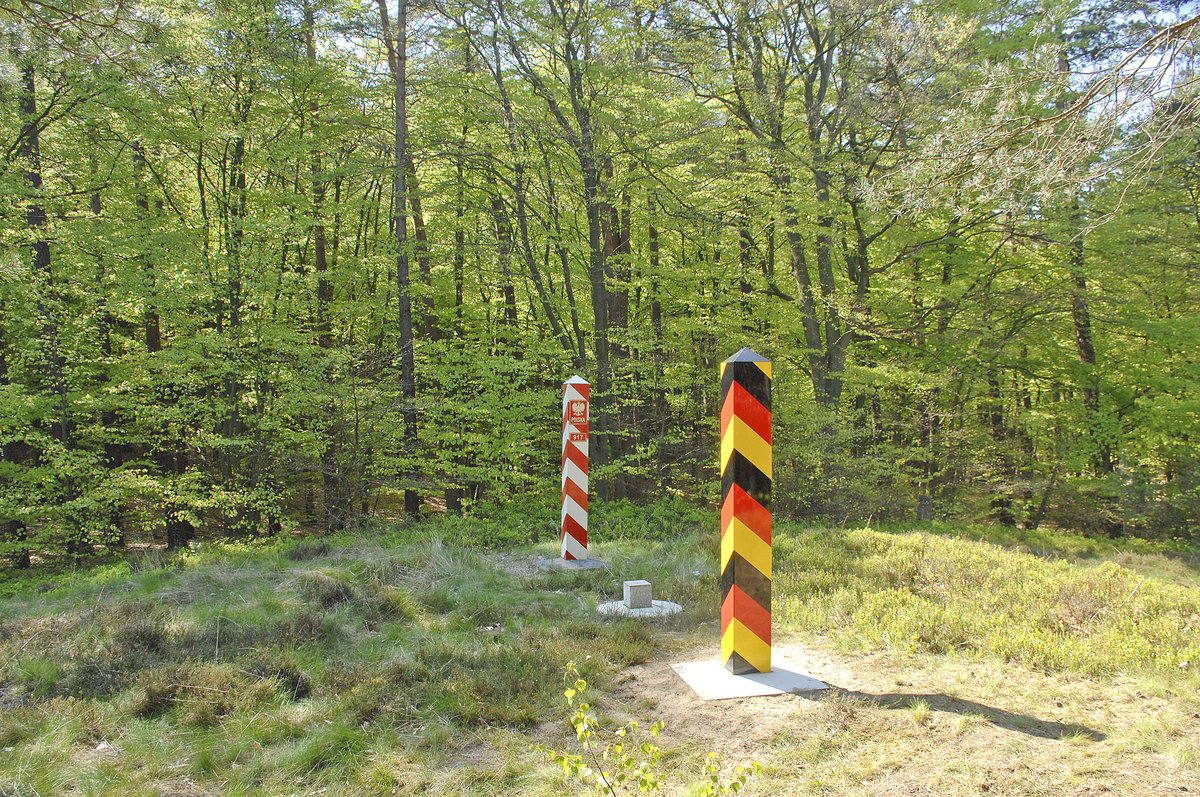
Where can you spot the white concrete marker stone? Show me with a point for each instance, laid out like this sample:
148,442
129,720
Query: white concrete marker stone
638,602
638,595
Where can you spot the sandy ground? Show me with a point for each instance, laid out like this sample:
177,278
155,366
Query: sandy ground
991,728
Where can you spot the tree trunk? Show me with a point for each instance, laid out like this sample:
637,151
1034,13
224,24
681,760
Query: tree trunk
658,409
103,317
54,376
515,152
1081,315
337,504
504,247
235,203
1081,318
397,49
1002,502
13,529
591,193
836,339
421,236
150,317
806,297
568,282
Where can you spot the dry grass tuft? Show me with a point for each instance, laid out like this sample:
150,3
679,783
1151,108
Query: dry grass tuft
326,588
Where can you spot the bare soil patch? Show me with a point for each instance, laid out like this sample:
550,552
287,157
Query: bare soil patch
895,726
180,787
517,565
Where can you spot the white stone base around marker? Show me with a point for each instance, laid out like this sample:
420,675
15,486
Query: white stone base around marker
569,564
712,681
656,609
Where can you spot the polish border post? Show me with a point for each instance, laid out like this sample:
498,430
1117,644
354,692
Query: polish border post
575,468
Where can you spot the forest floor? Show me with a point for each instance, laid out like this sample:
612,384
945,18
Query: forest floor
970,661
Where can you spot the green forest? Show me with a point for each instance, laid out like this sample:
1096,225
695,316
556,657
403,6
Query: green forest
268,266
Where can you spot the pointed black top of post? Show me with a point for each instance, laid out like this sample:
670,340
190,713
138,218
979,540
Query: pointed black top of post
747,355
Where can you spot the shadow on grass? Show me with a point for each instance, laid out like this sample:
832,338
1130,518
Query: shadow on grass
1021,723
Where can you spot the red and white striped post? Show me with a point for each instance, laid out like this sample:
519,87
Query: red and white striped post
575,468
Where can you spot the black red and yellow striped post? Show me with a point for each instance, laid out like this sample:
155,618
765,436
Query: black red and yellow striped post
575,468
746,513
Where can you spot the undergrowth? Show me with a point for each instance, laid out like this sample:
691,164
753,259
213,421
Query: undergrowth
271,665
368,662
935,594
628,759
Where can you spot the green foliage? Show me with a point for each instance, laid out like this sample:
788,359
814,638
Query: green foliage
495,525
628,760
662,520
275,672
213,348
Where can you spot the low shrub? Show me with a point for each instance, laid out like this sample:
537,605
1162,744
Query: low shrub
293,683
309,627
918,592
17,724
307,549
327,589
152,697
384,602
141,635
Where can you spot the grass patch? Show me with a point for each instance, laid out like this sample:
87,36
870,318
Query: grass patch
1176,560
426,659
934,594
294,667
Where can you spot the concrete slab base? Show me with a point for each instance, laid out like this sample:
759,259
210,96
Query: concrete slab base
558,563
656,609
712,681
